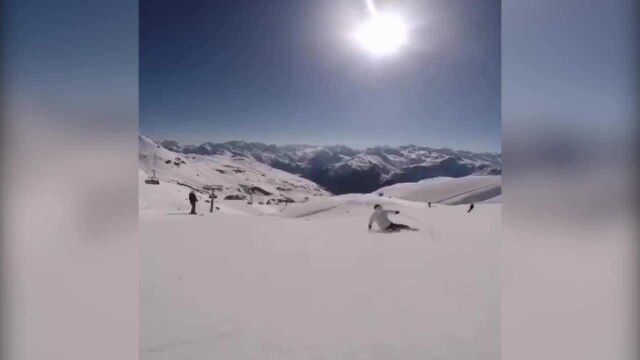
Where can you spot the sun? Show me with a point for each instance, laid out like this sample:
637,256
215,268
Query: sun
382,34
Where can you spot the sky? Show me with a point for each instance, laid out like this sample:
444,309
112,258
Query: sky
289,72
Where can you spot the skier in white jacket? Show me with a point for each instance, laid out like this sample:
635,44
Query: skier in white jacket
380,216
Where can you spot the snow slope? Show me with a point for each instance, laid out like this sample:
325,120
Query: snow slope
307,280
449,191
318,285
239,176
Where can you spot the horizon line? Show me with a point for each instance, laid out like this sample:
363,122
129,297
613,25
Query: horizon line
319,145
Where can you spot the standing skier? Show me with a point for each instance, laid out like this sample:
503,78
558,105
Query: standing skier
380,216
193,200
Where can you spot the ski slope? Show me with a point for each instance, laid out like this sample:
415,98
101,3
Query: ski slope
310,282
307,280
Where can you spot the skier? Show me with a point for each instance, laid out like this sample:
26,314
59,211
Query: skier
470,208
381,218
429,203
193,200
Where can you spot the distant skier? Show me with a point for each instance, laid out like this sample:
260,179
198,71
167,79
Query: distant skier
380,217
429,203
470,208
193,200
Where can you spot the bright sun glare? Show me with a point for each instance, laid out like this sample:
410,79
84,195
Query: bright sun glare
382,34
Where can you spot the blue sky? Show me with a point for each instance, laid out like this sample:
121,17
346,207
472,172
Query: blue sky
286,71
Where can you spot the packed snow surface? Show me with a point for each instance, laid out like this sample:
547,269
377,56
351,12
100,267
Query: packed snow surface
309,281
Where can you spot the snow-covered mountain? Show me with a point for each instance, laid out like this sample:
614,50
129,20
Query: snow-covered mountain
341,169
242,178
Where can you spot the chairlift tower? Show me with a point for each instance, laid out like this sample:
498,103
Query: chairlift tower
213,189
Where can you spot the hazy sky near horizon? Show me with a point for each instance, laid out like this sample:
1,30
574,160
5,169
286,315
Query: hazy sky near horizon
286,71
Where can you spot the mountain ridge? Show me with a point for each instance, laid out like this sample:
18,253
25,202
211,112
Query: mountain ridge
342,169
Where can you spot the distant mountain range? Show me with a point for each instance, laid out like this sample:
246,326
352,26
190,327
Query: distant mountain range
341,169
